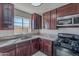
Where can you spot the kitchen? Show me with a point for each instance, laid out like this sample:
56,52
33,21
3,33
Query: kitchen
25,30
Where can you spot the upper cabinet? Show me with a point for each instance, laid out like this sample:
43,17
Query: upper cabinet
53,22
65,10
1,16
36,22
46,20
77,8
6,16
49,20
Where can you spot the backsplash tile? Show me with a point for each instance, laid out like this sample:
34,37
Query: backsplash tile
6,33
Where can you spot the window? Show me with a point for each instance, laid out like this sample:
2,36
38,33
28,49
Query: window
21,25
26,22
18,22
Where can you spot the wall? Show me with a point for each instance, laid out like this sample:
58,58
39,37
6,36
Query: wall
69,30
22,14
6,33
60,30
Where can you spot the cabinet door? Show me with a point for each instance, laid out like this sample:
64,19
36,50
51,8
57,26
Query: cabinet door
39,22
77,8
1,17
36,21
48,47
41,45
23,49
28,50
8,53
8,50
8,14
46,20
53,19
20,51
65,10
33,21
34,46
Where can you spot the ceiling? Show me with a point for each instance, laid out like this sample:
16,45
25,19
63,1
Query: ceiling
27,7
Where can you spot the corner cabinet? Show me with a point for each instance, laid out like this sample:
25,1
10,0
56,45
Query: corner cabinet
41,45
34,46
36,21
48,47
6,16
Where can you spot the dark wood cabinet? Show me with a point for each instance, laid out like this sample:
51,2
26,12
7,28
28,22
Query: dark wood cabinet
6,16
34,46
65,10
49,19
53,21
28,48
77,8
10,53
48,48
1,16
36,21
23,49
8,50
46,20
41,45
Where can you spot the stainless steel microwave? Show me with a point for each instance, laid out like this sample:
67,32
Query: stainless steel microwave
68,20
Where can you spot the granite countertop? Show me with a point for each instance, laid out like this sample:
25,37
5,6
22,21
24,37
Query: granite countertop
18,39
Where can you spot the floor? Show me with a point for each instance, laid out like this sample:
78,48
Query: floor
39,53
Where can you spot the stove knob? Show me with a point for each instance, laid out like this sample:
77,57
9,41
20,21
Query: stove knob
75,49
56,44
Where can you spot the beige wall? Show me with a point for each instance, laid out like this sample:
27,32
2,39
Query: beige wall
6,33
22,14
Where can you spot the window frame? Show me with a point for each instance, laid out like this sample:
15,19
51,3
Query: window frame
23,27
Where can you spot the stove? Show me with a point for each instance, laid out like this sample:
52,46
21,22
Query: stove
67,45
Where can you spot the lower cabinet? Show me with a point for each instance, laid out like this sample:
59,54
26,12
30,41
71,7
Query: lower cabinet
41,45
34,46
48,47
10,53
23,49
8,50
28,48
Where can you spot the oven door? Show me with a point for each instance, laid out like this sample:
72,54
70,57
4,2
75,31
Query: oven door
59,51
